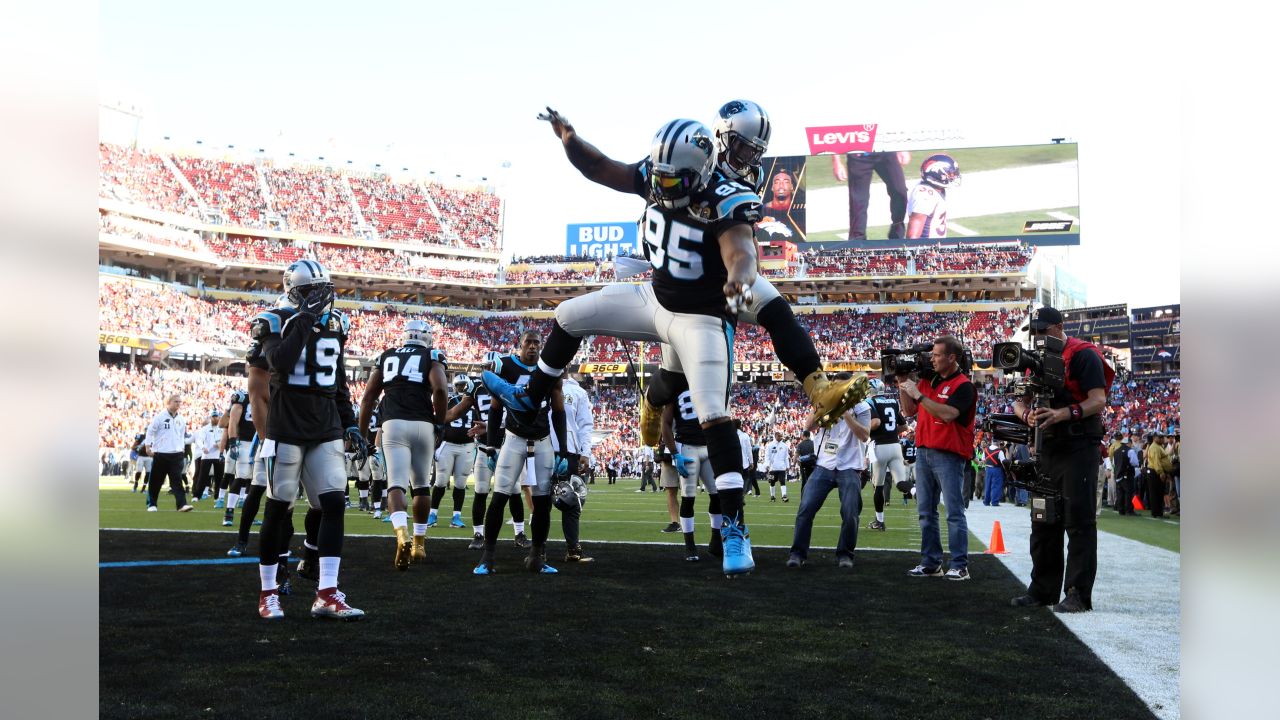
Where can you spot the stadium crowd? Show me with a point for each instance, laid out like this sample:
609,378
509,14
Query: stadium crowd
231,188
141,178
151,232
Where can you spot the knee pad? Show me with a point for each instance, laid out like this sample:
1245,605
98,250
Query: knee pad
333,501
420,492
361,484
686,507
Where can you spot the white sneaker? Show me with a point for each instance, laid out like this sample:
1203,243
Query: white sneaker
153,508
185,508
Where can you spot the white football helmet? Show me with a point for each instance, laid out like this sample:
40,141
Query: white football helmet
681,162
462,384
742,132
418,332
492,360
300,276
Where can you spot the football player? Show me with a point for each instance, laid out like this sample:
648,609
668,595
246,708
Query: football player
239,448
777,458
908,487
886,456
683,437
697,229
413,377
927,203
457,453
525,449
141,462
309,417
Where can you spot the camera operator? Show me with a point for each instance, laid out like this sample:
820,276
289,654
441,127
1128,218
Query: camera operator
946,402
1071,430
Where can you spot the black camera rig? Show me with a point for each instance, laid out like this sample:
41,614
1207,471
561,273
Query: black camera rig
1043,375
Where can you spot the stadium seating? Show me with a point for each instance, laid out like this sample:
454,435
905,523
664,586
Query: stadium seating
230,187
140,177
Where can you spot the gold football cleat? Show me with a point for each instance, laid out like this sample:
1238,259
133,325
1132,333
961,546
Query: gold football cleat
419,548
650,423
403,548
832,399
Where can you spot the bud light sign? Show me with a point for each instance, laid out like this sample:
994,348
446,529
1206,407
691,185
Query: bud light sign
600,239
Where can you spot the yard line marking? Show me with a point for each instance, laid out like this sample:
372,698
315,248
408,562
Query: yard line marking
198,561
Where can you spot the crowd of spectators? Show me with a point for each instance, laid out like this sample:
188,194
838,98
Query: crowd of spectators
973,259
474,216
161,311
129,398
311,200
571,273
255,251
379,261
141,178
229,187
150,232
1145,405
399,211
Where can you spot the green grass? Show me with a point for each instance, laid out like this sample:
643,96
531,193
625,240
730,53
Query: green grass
613,512
1163,532
636,634
818,168
984,225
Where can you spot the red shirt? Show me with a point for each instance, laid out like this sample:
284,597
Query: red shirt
955,436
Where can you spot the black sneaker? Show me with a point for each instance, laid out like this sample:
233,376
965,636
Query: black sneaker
521,540
238,549
673,527
716,547
773,499
1073,603
786,498
282,579
477,542
795,561
309,569
692,557
845,562
575,554
875,525
922,571
1025,601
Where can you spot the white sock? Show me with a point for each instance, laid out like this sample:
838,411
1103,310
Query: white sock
419,529
519,527
377,504
770,491
553,372
267,573
784,491
222,494
328,572
879,517
233,499
432,515
364,494
400,519
309,546
686,524
480,529
717,520
457,514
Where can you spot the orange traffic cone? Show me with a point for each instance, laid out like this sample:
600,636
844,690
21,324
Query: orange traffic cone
996,546
1137,504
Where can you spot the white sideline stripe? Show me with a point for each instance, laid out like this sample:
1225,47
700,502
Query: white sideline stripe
955,227
468,539
1134,626
1059,215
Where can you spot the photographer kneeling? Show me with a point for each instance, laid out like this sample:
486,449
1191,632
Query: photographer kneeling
946,402
1070,429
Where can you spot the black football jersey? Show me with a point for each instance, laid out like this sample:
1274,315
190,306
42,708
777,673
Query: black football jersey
244,429
886,409
310,402
530,426
456,431
685,425
373,423
481,400
683,245
406,382
908,450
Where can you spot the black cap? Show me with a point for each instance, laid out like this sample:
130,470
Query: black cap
1043,318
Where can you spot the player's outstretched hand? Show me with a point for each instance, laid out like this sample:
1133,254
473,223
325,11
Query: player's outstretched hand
560,125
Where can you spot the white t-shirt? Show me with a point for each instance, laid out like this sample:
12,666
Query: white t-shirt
744,441
778,456
837,448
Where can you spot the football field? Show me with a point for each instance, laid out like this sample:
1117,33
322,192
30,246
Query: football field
636,633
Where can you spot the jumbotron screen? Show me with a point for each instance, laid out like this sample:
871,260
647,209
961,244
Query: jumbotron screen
923,197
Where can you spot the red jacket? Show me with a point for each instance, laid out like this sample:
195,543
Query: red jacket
1075,345
955,436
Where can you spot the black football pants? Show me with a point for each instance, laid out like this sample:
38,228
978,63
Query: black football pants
1076,473
167,465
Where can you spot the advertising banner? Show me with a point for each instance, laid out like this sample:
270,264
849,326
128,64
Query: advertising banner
602,240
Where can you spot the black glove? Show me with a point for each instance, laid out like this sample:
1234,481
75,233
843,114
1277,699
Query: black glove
318,301
356,444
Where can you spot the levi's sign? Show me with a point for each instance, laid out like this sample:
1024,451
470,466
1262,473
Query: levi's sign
600,239
841,138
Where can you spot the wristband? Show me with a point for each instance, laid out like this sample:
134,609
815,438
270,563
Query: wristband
1076,412
1026,416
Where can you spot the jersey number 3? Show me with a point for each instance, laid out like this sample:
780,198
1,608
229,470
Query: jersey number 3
673,246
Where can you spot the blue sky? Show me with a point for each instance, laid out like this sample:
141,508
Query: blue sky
454,88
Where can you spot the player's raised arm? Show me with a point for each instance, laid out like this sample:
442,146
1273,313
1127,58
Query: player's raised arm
593,164
738,250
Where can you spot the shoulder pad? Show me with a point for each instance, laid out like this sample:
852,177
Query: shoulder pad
438,356
343,321
266,323
731,199
497,366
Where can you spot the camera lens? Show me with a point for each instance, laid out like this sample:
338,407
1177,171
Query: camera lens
1009,356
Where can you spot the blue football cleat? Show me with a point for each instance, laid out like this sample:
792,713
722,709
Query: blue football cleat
386,518
457,523
483,569
737,549
514,397
548,570
220,504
